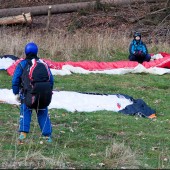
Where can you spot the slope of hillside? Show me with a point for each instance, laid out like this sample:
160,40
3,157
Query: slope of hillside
125,19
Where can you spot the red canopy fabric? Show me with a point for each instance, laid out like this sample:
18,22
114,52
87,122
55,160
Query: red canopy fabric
94,65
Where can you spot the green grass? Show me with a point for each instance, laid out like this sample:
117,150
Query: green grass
95,140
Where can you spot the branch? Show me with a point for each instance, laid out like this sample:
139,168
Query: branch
152,13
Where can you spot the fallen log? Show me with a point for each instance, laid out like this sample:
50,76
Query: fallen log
19,19
66,8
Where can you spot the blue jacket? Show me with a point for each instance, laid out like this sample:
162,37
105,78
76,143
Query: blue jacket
16,79
136,46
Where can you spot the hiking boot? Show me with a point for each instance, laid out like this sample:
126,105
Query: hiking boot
21,138
48,139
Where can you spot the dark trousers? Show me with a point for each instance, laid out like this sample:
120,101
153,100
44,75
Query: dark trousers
140,58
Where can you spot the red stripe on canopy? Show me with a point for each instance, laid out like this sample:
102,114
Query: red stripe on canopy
94,65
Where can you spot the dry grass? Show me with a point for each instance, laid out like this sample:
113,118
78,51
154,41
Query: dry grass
121,157
66,46
35,160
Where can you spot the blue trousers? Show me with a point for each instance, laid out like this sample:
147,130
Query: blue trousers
42,116
140,59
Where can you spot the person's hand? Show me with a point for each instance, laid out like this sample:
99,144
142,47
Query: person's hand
135,53
17,98
140,52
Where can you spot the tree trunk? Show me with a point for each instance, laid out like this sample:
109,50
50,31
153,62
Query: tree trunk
168,3
19,19
66,8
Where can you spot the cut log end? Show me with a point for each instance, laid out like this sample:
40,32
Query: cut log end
19,19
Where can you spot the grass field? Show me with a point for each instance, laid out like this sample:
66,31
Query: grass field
96,140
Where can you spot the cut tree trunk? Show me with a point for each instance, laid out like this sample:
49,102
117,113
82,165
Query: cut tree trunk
168,3
66,8
19,19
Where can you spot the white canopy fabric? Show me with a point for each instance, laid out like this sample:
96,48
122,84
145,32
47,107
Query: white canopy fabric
68,69
74,101
5,63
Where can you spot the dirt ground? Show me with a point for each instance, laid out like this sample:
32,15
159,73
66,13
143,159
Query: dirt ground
125,19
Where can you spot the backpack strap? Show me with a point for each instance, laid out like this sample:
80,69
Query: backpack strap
28,62
34,63
20,66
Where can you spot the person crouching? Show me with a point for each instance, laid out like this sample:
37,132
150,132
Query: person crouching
138,50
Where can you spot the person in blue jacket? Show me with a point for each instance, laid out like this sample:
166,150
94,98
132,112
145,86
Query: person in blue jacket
31,51
138,50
